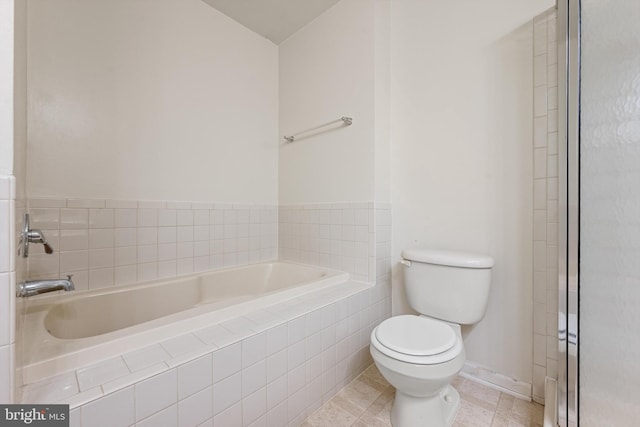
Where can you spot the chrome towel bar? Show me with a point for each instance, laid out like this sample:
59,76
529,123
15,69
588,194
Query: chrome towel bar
346,120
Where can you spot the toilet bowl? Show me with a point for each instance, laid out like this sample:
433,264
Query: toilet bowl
420,368
421,354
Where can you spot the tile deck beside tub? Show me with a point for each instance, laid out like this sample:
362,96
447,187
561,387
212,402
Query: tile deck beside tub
272,366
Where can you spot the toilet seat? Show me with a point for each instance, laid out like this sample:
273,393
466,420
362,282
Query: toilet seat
416,339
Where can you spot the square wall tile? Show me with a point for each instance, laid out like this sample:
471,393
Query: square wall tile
45,218
74,240
166,418
147,217
182,344
540,132
102,372
231,417
540,163
53,389
101,218
125,275
227,393
7,295
254,406
7,373
73,218
101,238
195,376
184,217
101,278
227,361
167,234
100,258
6,239
540,70
86,203
145,357
148,236
156,393
126,255
276,339
113,410
125,237
123,218
167,218
44,264
540,101
254,377
253,349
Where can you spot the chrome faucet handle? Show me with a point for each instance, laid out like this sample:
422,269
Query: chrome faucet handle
29,235
24,237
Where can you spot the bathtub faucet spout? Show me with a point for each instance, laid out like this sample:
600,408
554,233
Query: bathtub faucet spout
36,287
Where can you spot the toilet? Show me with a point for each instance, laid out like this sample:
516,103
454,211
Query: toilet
421,354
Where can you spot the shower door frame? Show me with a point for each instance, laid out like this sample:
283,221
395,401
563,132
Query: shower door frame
568,207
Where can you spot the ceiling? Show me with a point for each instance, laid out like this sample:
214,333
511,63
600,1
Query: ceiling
273,19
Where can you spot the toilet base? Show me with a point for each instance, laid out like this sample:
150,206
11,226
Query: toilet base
434,411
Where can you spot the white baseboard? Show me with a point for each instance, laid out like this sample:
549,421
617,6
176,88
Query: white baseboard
551,406
497,381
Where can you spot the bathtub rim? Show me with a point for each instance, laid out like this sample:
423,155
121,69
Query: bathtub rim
85,352
344,294
35,301
64,298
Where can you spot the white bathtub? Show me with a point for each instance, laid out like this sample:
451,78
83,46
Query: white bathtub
64,332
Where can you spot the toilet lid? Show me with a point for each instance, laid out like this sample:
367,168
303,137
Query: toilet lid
415,335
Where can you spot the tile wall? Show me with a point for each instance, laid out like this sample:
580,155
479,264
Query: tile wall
7,287
340,236
545,214
110,242
273,367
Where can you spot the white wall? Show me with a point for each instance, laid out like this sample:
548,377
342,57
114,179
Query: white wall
152,99
20,99
382,108
461,110
327,70
6,87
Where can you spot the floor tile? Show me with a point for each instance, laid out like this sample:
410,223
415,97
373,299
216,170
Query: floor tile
367,402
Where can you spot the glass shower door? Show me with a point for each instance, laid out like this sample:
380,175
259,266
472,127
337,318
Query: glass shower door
599,385
609,292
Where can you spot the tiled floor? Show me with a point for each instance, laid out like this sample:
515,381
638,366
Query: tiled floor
366,402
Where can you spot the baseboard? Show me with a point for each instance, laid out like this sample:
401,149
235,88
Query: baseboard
497,381
551,407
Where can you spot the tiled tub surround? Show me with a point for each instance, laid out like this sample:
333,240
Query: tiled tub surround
69,330
340,236
111,242
273,366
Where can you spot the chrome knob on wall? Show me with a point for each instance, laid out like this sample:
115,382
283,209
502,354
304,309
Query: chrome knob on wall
29,235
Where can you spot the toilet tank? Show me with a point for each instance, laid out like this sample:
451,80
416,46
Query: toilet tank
447,285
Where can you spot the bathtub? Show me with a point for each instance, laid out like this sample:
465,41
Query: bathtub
67,331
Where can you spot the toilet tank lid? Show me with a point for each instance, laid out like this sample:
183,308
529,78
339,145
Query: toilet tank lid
449,258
